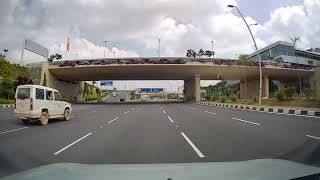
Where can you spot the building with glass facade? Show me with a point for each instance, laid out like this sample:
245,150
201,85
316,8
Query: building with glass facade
284,52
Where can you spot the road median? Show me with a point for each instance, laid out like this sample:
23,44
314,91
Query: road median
268,109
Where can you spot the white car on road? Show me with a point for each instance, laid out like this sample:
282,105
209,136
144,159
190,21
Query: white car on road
41,103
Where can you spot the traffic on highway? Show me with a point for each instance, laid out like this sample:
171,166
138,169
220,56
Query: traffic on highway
160,90
161,133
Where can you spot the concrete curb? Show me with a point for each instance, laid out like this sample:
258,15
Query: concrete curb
268,109
6,105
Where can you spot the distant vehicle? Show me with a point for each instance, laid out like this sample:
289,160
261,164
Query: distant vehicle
40,103
122,100
114,94
68,63
83,62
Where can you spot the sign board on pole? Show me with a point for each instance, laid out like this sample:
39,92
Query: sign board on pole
36,48
106,85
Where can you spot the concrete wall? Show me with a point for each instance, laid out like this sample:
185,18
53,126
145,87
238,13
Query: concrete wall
315,81
250,88
192,89
70,91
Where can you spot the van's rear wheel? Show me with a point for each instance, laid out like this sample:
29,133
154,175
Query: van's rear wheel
44,117
67,114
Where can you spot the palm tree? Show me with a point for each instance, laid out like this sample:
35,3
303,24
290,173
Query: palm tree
294,40
200,53
191,53
208,53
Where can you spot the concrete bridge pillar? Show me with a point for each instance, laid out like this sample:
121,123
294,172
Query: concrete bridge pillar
197,87
70,91
265,87
250,88
314,81
192,89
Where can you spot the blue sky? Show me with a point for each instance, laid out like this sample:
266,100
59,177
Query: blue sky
260,10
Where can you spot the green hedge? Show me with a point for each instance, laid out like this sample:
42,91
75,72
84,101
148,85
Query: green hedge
5,101
91,97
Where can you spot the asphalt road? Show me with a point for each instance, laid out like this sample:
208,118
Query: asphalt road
157,133
120,94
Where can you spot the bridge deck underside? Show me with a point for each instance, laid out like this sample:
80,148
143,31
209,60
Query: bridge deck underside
171,72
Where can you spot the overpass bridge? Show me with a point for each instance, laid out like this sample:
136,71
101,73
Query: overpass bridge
69,79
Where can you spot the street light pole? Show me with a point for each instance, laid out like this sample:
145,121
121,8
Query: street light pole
105,47
212,48
59,48
256,47
159,47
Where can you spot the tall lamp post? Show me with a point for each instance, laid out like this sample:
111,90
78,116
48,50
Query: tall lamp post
255,45
105,47
159,47
212,48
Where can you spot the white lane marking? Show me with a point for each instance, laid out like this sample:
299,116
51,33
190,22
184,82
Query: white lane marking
170,119
164,111
193,108
113,120
101,127
160,107
210,112
132,108
58,152
192,145
314,137
13,130
246,121
126,112
73,116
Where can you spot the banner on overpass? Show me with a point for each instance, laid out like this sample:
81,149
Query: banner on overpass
106,85
151,90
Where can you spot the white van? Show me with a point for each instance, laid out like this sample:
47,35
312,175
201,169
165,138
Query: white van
41,103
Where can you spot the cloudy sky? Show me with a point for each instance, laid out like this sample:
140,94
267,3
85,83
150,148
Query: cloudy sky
132,26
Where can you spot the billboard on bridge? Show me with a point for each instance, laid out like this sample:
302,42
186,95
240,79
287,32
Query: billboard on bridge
106,85
151,90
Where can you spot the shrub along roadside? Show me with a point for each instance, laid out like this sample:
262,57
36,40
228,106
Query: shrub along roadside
279,95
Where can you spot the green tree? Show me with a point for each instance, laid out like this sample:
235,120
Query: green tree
208,53
54,56
191,53
200,53
7,88
243,60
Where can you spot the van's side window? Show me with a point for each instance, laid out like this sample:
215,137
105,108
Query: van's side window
39,93
49,95
57,96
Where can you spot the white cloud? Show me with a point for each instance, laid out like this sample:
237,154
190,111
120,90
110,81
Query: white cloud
299,20
181,25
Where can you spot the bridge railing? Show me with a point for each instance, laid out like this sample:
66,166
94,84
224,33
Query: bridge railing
216,61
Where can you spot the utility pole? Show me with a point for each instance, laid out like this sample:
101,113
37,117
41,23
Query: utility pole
59,48
159,47
212,48
105,47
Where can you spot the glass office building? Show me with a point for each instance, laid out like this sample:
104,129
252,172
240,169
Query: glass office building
284,52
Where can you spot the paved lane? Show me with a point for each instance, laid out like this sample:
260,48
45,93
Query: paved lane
143,135
120,94
157,133
277,136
